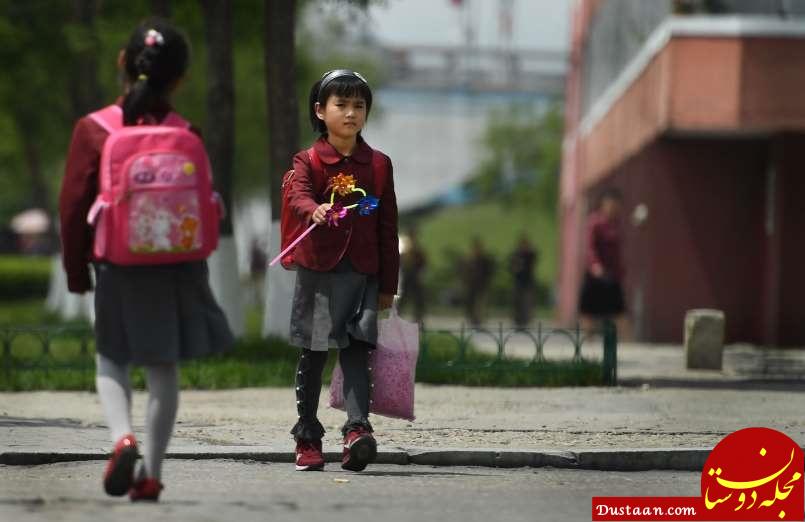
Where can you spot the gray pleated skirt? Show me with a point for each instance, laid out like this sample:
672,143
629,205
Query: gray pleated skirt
330,307
161,314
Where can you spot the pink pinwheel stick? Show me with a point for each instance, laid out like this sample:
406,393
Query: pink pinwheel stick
292,245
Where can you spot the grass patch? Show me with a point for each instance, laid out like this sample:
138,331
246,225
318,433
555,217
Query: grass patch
498,225
253,362
446,237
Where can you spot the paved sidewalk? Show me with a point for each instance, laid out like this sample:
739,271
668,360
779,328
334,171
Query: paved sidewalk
664,417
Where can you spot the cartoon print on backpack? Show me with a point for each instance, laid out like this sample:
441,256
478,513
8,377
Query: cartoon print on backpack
162,229
165,223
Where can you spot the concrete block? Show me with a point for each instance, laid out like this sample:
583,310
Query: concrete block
704,339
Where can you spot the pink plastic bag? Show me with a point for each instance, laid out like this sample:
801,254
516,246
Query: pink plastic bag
392,370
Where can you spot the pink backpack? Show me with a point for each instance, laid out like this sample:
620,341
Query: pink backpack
155,201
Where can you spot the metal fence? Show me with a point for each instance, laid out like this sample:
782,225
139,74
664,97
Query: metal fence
72,348
466,341
59,347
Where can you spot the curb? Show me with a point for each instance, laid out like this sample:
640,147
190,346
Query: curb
770,383
629,459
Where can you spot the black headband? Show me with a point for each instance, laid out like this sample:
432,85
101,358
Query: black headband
339,73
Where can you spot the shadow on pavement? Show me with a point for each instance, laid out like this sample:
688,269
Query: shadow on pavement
789,385
422,474
32,422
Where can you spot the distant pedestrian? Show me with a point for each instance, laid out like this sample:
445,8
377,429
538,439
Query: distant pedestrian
602,291
347,268
257,269
522,264
147,315
414,262
8,241
478,273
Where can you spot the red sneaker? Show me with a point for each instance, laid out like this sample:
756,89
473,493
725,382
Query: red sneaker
119,472
309,456
360,449
146,489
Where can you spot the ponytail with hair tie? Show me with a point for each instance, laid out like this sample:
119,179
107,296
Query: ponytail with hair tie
156,56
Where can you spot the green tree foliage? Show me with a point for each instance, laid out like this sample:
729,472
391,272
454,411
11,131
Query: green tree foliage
522,158
32,114
41,42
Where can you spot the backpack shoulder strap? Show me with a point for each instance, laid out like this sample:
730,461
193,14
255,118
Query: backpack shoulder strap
315,164
110,118
174,120
380,169
315,160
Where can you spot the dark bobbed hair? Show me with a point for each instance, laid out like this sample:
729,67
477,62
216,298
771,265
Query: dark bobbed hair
609,193
152,70
338,82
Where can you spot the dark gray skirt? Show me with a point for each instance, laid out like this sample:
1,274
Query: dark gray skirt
601,297
330,307
157,314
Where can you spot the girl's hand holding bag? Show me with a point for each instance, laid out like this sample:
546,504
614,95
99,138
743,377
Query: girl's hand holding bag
392,368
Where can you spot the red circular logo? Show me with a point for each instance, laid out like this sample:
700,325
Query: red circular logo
754,474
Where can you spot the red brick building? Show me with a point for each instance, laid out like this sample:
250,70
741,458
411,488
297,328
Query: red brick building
700,120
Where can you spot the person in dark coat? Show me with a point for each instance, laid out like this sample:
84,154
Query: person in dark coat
257,269
413,263
522,263
479,269
602,291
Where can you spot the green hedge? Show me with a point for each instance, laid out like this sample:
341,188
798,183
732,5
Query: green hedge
23,277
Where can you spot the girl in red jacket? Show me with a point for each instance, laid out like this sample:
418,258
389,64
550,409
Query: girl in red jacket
347,267
152,316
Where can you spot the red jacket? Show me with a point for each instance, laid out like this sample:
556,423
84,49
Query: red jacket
78,191
369,242
604,246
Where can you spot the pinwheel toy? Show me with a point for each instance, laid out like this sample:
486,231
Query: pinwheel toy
342,185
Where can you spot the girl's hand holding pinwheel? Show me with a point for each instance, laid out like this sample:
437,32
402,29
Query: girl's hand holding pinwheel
330,213
320,214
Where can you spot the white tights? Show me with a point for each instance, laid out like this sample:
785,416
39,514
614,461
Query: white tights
114,390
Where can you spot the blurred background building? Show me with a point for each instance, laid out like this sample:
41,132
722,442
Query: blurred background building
694,110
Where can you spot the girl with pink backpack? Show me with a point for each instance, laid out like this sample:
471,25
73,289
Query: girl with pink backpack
136,202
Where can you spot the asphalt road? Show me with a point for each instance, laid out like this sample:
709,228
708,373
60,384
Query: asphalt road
221,490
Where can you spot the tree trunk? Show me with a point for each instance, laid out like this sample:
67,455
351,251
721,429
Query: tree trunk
219,137
283,133
40,197
40,193
86,95
283,109
85,89
161,8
